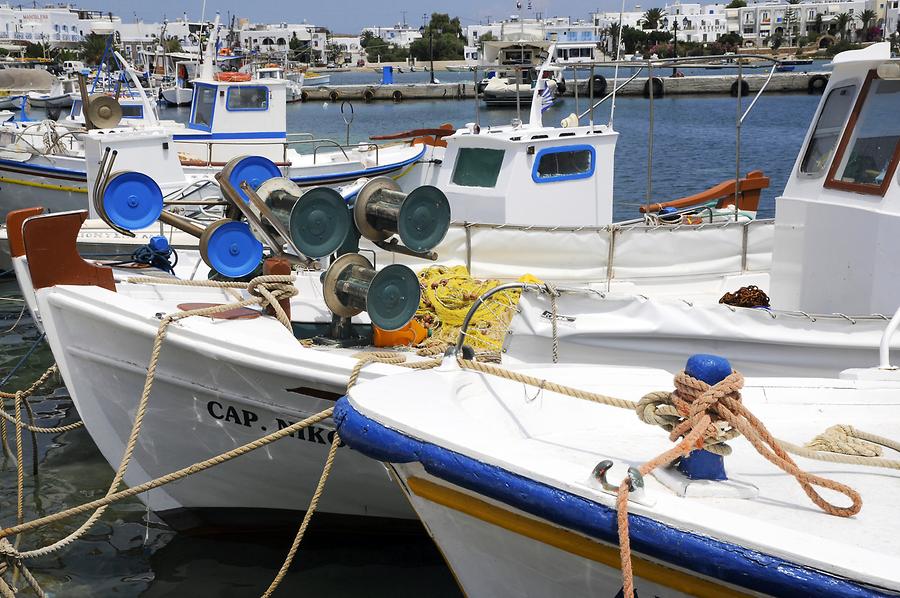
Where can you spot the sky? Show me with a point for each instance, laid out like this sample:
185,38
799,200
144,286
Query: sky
343,16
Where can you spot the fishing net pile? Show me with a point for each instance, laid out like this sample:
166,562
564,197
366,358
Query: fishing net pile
448,292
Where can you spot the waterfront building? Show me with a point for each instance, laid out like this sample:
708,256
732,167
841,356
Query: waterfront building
266,38
58,26
401,34
349,49
576,40
756,23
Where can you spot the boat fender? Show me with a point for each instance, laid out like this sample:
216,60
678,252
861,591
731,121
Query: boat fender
658,88
599,84
304,96
745,89
368,95
397,96
334,96
817,84
561,87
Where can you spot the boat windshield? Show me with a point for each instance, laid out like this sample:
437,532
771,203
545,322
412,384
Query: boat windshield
825,136
868,155
204,101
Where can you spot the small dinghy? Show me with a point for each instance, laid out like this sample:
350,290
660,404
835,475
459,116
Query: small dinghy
542,481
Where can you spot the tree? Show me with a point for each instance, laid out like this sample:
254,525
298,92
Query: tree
731,41
487,37
817,24
775,41
633,39
364,40
737,4
445,34
92,48
652,17
378,49
841,22
172,44
866,18
791,23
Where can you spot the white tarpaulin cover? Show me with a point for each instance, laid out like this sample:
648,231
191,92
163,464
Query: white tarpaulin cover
664,332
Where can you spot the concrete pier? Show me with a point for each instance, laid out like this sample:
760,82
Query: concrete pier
813,82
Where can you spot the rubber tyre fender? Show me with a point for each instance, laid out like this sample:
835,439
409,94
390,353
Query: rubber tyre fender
397,96
368,95
659,89
598,82
745,89
817,84
304,96
334,96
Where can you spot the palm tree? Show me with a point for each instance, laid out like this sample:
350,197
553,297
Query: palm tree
841,22
92,48
652,18
866,18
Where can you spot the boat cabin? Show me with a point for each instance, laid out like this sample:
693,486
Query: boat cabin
837,233
228,115
529,175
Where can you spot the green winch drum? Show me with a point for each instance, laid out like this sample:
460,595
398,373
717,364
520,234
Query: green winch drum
420,218
390,296
318,220
255,170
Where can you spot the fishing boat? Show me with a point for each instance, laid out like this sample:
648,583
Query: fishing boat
293,88
249,376
231,114
61,95
12,102
461,68
314,79
608,504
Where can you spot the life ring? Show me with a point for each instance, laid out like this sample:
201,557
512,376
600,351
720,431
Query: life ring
817,84
334,96
368,95
304,96
231,76
745,89
598,82
659,89
397,96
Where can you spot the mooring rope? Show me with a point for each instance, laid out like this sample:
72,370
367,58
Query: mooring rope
698,415
282,287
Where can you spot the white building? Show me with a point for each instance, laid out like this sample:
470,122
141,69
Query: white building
892,18
576,41
351,50
58,26
691,22
277,38
756,23
400,35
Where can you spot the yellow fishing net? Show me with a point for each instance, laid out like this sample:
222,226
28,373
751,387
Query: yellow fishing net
448,293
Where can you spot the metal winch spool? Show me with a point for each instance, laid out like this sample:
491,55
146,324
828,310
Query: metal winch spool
317,220
390,296
420,218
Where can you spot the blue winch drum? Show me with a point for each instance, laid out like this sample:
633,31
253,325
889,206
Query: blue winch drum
132,200
256,170
230,248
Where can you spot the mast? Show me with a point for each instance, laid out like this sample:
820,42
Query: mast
209,55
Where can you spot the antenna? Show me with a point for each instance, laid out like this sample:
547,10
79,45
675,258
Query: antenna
612,109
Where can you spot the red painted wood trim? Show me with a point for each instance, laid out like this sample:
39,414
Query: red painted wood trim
50,246
14,222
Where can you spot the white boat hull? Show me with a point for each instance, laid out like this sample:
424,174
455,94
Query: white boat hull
47,101
210,396
177,96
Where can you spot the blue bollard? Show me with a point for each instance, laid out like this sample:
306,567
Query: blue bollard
387,75
702,464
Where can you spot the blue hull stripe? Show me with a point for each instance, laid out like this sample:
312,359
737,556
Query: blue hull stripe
358,173
42,169
705,556
210,136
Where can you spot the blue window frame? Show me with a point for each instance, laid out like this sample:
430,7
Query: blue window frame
245,98
203,107
564,163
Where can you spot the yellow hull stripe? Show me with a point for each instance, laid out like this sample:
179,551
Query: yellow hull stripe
568,541
42,185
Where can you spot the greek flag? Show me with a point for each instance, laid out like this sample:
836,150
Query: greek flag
546,97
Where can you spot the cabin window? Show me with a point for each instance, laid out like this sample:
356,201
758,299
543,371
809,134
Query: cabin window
204,106
132,111
870,149
477,167
828,130
247,98
564,163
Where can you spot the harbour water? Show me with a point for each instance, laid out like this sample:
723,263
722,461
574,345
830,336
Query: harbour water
131,553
